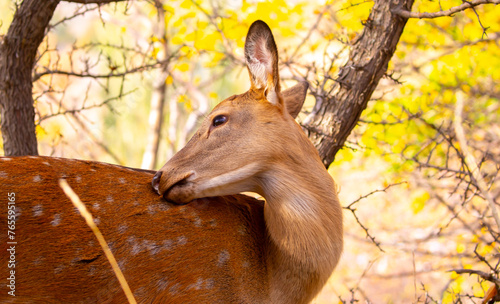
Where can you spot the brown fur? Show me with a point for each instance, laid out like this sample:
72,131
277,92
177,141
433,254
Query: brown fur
197,253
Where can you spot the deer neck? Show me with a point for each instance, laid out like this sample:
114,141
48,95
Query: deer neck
304,223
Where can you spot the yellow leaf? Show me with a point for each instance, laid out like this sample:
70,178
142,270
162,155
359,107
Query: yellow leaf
478,290
418,203
216,58
448,298
169,80
176,40
484,249
186,4
183,67
154,52
213,95
460,248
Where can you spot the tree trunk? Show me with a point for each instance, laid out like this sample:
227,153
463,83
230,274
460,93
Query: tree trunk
334,116
17,57
155,121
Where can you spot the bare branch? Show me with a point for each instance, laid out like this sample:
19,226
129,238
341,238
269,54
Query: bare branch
466,5
487,276
353,210
470,160
94,1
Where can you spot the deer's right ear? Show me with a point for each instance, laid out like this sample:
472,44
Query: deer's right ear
261,56
294,98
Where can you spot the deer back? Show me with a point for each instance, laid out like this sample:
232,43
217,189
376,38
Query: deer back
210,250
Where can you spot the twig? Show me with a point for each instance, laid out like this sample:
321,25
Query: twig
487,276
353,210
373,192
466,5
469,158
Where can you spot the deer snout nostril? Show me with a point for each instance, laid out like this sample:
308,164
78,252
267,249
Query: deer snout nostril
156,182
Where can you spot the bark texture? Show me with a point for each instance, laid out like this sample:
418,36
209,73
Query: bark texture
334,116
17,57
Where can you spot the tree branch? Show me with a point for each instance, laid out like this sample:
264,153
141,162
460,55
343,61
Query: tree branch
337,111
487,276
17,57
94,1
470,160
466,5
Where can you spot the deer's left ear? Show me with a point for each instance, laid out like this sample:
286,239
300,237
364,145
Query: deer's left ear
261,56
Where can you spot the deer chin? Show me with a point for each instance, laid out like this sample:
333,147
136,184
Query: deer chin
180,194
177,189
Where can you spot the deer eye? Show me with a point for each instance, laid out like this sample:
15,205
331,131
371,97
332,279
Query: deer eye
219,120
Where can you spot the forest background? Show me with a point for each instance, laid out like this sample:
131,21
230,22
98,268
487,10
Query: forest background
128,83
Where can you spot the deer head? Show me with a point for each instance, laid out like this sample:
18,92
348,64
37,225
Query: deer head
245,137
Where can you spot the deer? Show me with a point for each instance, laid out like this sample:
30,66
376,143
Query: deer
186,233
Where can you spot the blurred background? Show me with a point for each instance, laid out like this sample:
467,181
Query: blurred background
128,83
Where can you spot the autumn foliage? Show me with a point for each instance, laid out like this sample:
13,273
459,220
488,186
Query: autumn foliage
128,82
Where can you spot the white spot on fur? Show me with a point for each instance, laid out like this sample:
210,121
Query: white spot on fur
222,258
196,286
209,283
3,174
57,220
78,179
136,247
242,230
37,178
59,269
97,221
174,289
213,223
167,244
96,206
37,210
162,284
122,228
153,247
122,180
110,199
46,163
122,264
163,206
182,240
5,158
152,209
197,222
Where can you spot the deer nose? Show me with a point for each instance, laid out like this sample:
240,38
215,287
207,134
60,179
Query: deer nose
156,182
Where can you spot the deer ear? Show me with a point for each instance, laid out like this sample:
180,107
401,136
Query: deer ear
261,56
294,98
